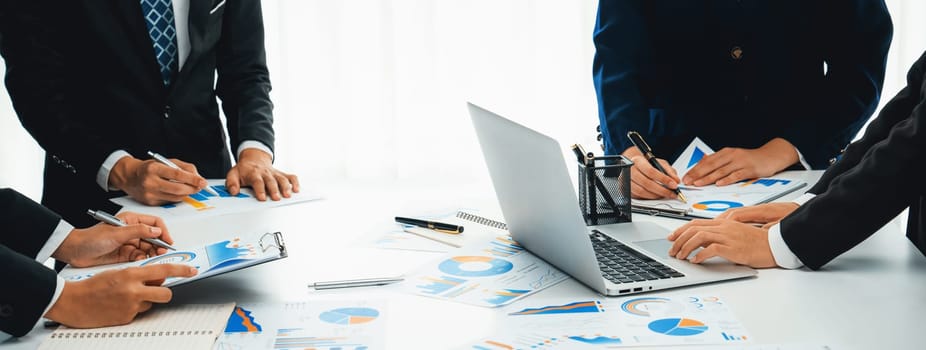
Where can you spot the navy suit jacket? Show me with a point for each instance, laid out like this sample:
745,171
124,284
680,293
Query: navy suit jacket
739,73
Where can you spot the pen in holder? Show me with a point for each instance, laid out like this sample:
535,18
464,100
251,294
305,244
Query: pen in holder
604,189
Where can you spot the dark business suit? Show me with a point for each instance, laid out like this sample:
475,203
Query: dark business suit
739,73
29,285
876,179
90,84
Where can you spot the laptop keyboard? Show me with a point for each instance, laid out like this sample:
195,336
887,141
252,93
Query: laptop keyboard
622,264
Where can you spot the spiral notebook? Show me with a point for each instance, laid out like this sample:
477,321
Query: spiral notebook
213,259
164,327
478,229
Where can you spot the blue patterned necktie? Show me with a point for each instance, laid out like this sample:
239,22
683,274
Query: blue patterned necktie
159,17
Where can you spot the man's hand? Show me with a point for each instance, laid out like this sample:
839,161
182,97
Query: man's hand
114,297
255,169
106,244
648,182
738,242
153,183
760,214
731,165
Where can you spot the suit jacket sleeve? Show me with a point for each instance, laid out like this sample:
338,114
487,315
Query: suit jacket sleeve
621,43
862,198
38,80
243,78
26,227
858,35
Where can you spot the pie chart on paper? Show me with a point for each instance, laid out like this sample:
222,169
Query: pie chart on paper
680,327
349,315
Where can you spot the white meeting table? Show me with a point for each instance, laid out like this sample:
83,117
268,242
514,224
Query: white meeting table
872,297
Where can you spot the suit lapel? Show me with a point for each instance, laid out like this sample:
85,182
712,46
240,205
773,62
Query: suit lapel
199,17
129,13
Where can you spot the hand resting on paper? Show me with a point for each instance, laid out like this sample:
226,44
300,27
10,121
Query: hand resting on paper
731,165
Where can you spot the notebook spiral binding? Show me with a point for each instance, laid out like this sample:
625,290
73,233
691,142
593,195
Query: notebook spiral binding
482,221
78,334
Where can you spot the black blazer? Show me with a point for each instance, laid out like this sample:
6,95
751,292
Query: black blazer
876,179
30,285
738,73
84,80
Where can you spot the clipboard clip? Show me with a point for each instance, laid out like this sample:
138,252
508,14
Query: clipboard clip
276,242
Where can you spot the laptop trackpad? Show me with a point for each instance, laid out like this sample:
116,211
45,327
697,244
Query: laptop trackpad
659,247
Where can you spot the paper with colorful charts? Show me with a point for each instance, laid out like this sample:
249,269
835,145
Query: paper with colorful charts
711,201
489,274
205,204
212,259
646,320
317,324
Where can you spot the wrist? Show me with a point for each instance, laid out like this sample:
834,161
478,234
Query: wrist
121,172
65,307
65,251
782,152
255,155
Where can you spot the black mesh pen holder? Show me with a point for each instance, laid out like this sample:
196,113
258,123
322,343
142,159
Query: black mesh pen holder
604,190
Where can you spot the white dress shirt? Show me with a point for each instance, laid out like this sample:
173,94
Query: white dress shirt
783,255
182,24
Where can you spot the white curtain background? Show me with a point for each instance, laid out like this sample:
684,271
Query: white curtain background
375,90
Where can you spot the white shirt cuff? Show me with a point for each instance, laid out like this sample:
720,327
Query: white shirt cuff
102,176
59,287
254,144
804,163
783,255
804,198
54,241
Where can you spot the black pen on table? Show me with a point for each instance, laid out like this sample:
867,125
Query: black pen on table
644,148
112,220
366,282
433,225
163,160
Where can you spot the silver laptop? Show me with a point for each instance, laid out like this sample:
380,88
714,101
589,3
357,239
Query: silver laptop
542,211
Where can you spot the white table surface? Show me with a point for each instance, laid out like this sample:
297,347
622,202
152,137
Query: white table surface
872,297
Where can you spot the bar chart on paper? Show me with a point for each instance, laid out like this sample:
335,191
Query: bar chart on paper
204,204
320,324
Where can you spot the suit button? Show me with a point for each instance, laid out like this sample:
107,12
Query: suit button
6,311
166,112
736,52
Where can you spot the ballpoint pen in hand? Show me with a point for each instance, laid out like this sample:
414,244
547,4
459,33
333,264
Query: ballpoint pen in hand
434,225
163,160
112,220
366,282
644,148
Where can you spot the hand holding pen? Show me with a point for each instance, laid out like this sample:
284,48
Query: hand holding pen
129,238
105,217
155,182
649,176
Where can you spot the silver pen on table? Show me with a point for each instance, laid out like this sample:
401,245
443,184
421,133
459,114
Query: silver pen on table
365,282
163,160
112,220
